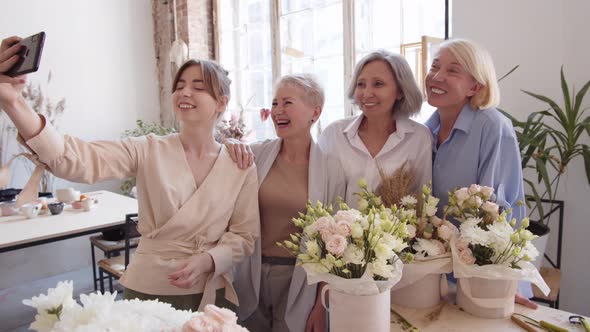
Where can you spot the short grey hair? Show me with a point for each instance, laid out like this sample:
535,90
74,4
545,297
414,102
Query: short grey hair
313,93
411,102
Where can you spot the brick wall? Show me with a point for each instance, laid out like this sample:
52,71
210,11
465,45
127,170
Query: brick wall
194,27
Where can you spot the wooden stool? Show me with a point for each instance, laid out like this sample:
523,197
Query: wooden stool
552,277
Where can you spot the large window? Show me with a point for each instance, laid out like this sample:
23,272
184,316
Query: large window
261,40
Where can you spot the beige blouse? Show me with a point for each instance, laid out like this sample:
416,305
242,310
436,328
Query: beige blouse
176,219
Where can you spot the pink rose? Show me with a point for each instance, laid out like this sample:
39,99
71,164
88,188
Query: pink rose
322,224
474,189
461,244
342,228
466,256
336,244
461,195
491,208
326,235
445,232
436,221
201,323
220,315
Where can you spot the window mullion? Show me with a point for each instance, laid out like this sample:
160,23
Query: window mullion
275,31
348,51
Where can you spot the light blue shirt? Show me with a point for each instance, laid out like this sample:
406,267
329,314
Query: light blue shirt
481,149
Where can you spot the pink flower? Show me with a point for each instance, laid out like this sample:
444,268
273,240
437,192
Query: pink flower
466,256
264,114
461,195
201,323
486,191
445,232
436,221
491,208
350,216
322,224
474,189
336,244
342,228
461,244
220,315
326,235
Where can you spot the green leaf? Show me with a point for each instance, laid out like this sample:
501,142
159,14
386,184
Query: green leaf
542,171
586,154
562,119
537,199
508,73
580,96
566,98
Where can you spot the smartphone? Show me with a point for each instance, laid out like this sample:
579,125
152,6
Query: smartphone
30,55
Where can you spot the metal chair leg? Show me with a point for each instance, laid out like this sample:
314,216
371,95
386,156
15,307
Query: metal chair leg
101,276
111,283
93,267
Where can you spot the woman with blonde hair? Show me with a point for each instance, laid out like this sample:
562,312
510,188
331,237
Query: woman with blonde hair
292,169
198,213
474,142
382,138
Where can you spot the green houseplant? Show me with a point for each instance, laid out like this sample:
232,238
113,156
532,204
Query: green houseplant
549,140
142,129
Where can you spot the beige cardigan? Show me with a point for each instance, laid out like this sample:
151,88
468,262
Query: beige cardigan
326,181
176,219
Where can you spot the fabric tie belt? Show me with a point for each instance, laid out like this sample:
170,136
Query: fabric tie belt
175,249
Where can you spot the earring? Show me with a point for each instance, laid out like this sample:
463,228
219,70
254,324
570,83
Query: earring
311,121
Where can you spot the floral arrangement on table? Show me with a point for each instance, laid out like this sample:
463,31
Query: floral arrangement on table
354,251
424,282
491,254
57,311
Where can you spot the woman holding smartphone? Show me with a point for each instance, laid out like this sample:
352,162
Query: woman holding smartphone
198,213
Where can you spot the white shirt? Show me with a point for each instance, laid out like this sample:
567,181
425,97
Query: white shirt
410,142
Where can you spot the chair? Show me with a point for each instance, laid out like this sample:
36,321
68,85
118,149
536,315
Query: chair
552,274
114,265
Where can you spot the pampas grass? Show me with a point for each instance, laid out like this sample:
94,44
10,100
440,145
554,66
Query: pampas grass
397,185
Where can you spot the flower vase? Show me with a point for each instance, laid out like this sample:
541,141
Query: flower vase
486,298
424,293
349,312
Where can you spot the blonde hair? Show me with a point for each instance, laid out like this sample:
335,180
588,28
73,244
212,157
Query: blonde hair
412,97
313,93
477,61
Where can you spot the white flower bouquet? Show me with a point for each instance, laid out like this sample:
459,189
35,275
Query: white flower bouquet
490,255
428,256
356,253
58,312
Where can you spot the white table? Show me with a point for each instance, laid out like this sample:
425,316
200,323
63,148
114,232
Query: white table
18,232
452,318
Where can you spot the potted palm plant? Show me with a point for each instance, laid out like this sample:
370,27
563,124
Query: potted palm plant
549,140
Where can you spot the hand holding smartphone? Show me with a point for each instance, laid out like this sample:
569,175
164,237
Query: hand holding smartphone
29,55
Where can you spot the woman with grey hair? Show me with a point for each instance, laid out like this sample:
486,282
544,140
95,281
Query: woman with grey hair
292,169
382,137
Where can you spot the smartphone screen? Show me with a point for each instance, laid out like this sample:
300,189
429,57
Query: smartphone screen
30,55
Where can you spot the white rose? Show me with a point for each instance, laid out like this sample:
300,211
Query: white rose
348,216
491,208
381,268
383,252
411,231
356,230
486,191
353,255
474,189
336,244
461,195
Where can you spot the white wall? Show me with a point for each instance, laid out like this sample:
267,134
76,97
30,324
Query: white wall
540,36
102,58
